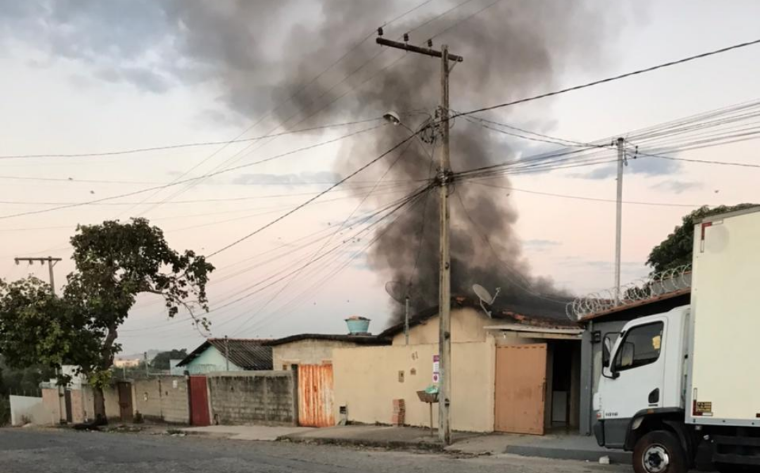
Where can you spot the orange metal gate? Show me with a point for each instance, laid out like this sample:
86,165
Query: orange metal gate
315,396
520,389
199,412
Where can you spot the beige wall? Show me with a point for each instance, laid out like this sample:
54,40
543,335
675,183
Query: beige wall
163,398
466,326
111,396
367,380
305,352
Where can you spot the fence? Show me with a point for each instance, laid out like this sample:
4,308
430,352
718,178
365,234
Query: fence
252,397
163,398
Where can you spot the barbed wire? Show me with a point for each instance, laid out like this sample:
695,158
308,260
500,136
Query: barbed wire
643,289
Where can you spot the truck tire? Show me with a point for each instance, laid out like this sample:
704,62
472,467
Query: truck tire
659,452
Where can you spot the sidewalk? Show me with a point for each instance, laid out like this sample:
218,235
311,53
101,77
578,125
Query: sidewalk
565,447
246,432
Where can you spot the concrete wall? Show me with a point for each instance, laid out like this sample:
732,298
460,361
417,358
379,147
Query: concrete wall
368,379
210,361
305,352
111,395
31,409
252,397
52,403
82,404
162,399
466,326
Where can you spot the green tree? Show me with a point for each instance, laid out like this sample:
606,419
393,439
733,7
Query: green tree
161,361
676,250
114,263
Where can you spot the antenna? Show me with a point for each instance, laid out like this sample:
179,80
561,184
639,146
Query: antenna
395,289
485,297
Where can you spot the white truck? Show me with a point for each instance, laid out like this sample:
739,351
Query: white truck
683,387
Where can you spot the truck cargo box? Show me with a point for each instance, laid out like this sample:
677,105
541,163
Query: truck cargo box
724,361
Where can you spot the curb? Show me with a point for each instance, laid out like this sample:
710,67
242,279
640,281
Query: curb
619,458
386,444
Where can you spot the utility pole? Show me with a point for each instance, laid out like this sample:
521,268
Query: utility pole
444,176
619,216
145,360
49,260
227,352
406,319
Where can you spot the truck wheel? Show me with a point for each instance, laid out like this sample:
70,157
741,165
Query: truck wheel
659,452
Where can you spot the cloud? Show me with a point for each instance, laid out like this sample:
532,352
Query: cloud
141,77
538,245
677,187
324,177
645,166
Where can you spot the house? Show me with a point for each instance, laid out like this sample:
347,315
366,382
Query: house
602,327
228,354
496,359
315,348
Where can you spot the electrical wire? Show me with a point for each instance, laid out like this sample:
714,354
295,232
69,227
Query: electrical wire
307,202
608,79
171,184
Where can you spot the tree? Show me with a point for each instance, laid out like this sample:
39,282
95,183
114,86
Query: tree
161,361
114,263
676,249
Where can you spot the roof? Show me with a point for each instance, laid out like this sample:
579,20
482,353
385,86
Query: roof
356,339
551,314
248,354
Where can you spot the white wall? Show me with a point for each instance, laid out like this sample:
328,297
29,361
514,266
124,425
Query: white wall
32,409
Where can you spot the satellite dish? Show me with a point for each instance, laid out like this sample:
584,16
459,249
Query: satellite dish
397,290
485,297
392,117
482,294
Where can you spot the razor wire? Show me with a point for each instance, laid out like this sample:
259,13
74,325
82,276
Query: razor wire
639,290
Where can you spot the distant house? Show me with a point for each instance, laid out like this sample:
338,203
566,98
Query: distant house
233,354
126,363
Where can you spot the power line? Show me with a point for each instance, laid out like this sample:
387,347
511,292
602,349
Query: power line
609,79
186,145
171,184
465,19
701,161
593,199
260,229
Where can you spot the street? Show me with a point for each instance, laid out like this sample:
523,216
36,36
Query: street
31,450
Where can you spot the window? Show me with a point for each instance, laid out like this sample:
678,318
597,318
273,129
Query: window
608,342
641,346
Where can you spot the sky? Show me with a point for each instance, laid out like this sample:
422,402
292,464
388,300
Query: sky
88,77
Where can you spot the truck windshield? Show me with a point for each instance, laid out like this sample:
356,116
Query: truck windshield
641,346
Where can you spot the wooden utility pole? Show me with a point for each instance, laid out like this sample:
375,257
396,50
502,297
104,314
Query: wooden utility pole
444,283
49,260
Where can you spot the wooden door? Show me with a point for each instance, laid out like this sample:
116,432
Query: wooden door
520,389
125,401
315,396
199,411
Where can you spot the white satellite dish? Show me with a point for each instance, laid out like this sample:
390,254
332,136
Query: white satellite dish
485,297
398,291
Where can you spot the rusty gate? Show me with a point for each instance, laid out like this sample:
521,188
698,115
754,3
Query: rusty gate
199,410
315,395
520,389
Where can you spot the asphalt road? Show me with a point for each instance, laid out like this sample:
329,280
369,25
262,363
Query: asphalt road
47,450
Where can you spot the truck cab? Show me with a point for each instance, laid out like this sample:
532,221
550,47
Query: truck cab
643,380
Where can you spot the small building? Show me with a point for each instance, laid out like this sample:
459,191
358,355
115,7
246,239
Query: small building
126,362
228,354
515,369
315,348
